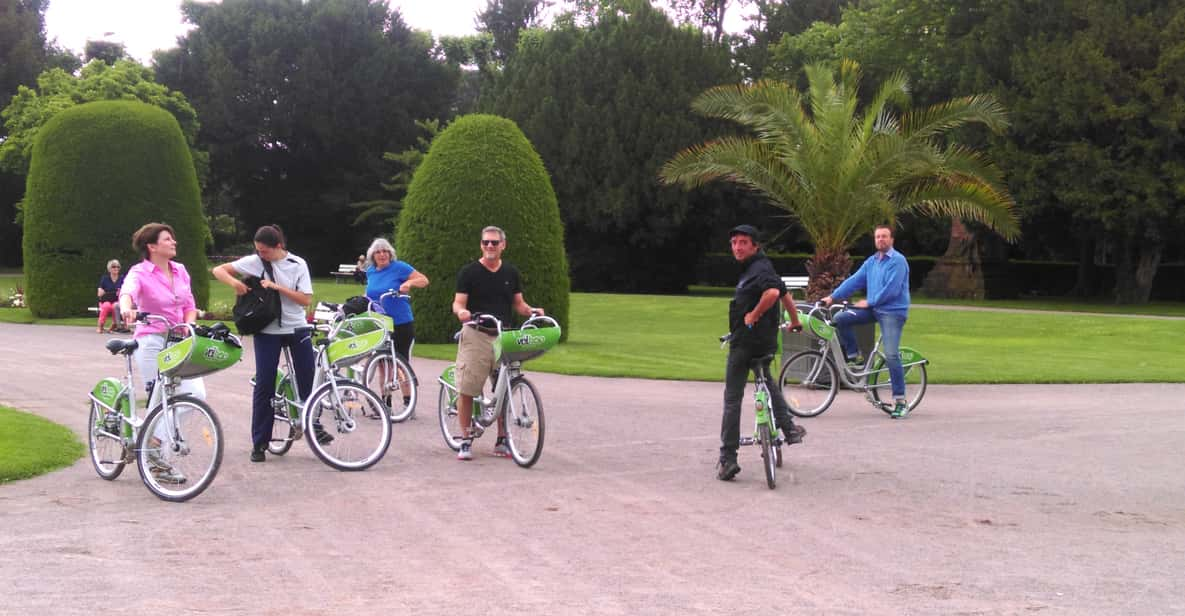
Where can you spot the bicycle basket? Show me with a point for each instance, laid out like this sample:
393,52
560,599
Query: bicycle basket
817,327
524,344
365,322
349,347
197,356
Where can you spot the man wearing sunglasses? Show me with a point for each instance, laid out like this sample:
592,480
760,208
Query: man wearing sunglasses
486,286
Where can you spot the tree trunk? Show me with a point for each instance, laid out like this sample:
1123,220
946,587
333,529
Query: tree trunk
959,272
826,271
1136,269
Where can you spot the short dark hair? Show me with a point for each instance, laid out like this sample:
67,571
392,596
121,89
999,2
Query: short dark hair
270,235
150,234
889,227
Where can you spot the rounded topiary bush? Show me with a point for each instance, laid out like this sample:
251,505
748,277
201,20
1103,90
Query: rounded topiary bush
97,173
481,171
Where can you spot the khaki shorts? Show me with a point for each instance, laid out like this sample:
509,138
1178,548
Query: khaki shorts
475,361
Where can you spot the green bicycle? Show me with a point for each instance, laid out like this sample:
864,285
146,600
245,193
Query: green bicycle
811,379
178,445
514,398
346,425
765,427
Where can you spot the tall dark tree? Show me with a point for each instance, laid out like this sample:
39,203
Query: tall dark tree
24,54
109,52
505,19
605,105
298,102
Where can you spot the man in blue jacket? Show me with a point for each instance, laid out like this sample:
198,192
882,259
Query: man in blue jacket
885,276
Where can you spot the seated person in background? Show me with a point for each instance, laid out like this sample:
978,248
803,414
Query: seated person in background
360,270
108,293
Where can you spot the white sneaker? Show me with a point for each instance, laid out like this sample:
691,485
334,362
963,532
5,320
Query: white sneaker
502,448
466,451
163,471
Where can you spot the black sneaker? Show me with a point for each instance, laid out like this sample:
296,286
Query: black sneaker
727,469
257,455
321,435
793,435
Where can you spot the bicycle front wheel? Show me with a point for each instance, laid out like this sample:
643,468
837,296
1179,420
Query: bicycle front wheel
768,457
349,430
180,449
524,423
809,383
391,377
881,388
106,444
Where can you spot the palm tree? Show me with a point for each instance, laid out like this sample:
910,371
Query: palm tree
839,172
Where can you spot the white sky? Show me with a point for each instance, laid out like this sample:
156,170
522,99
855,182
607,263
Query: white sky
147,25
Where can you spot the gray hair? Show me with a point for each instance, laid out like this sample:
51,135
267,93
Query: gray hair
377,245
493,229
114,262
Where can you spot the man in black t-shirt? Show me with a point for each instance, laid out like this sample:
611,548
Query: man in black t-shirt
486,286
754,329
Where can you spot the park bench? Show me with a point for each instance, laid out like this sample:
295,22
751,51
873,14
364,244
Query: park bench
796,283
344,273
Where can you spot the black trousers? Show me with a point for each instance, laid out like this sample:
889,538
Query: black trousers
736,375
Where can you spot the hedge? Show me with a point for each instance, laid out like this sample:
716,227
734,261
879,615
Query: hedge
481,171
98,172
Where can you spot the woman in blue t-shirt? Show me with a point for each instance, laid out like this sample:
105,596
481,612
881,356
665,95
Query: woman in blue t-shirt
384,273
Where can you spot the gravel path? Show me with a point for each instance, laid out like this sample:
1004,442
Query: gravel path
1045,499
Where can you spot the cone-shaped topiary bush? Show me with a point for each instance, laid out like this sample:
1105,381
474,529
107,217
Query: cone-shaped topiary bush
98,172
481,171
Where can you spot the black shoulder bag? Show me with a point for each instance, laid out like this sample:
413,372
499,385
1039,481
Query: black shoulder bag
258,307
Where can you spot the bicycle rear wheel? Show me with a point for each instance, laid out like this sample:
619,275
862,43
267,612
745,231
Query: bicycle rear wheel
283,430
450,424
105,442
881,388
180,449
349,430
524,423
391,377
809,383
768,457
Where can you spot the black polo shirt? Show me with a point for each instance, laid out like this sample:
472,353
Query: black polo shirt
757,277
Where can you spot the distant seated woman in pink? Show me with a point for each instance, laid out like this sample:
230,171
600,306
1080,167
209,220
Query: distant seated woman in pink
108,293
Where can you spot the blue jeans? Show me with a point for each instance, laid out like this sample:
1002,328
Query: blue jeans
891,326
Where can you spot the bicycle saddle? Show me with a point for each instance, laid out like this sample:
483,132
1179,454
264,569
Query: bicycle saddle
127,347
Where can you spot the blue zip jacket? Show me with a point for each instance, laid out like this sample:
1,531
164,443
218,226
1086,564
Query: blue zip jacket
886,280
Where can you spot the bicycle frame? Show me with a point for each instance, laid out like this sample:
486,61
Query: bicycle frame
504,375
164,387
831,348
322,373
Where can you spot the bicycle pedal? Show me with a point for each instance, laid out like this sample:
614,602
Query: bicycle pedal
748,440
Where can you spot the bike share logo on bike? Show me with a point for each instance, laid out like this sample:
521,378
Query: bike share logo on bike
216,354
527,340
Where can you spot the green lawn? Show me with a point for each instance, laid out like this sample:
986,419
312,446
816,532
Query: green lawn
674,337
31,446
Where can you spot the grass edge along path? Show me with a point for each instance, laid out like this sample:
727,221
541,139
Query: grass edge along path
674,337
31,445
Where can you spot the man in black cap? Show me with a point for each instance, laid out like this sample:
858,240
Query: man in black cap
754,326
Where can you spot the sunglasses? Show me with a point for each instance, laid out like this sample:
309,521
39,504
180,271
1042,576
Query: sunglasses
490,242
